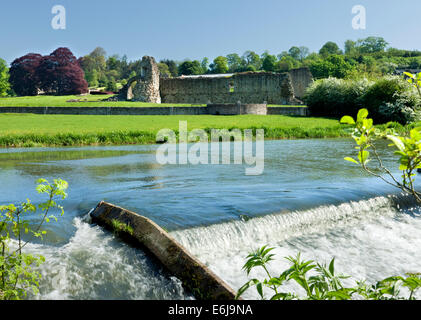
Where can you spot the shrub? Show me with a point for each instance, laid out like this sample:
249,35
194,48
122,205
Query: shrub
388,91
336,97
111,85
403,110
389,98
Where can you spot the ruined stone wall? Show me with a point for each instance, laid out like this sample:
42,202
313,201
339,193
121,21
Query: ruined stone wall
146,88
249,88
301,79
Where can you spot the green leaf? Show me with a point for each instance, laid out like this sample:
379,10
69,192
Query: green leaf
362,114
409,75
351,160
363,156
347,120
332,267
397,141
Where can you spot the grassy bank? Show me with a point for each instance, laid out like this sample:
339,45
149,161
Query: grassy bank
91,101
28,130
85,101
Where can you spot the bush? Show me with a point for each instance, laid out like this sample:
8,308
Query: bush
389,98
336,97
111,85
404,110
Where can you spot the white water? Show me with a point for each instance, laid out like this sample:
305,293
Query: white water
370,239
94,265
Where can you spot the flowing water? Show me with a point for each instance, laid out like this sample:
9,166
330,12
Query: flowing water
308,200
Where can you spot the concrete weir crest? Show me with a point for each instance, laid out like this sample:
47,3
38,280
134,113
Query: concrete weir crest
143,233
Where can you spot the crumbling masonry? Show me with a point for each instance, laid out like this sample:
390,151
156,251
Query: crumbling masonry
247,88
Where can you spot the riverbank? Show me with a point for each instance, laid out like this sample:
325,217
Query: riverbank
91,101
30,130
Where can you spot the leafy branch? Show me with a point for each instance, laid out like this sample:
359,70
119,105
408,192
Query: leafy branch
321,282
16,274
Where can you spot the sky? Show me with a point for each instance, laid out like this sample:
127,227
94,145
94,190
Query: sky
193,29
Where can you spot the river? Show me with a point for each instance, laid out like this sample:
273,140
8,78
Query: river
307,200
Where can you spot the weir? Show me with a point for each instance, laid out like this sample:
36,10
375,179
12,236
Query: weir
145,234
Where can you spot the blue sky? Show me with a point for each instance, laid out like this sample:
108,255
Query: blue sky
179,29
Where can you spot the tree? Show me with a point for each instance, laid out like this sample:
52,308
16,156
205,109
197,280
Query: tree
164,71
92,78
350,47
172,67
269,63
304,52
96,61
330,48
295,52
234,62
4,78
251,58
219,65
60,73
372,45
287,63
23,77
205,65
333,66
190,68
111,85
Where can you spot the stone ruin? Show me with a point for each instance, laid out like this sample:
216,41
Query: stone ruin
247,87
143,87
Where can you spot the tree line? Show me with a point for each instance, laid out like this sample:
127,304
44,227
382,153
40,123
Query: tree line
370,57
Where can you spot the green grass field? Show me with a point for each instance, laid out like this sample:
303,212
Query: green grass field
27,130
92,101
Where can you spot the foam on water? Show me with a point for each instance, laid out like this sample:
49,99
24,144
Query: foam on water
94,265
370,239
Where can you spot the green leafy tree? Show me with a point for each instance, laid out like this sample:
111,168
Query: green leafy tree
164,70
190,68
172,67
17,276
111,85
304,52
330,48
219,65
350,47
285,64
372,45
332,66
269,63
4,79
205,65
251,59
234,62
295,52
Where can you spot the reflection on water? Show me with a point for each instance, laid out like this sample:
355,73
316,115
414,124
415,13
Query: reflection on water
307,199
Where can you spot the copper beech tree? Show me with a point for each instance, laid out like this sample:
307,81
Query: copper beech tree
58,73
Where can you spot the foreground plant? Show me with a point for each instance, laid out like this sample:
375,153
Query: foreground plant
320,282
407,148
17,276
